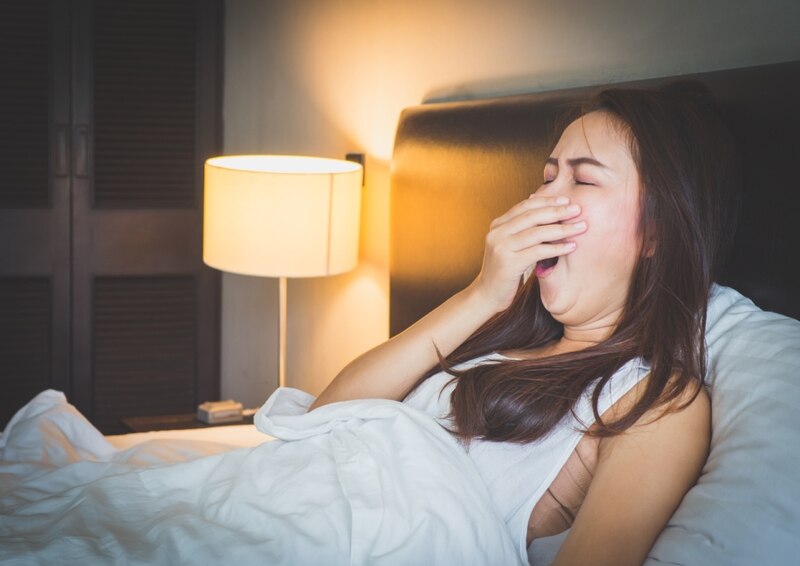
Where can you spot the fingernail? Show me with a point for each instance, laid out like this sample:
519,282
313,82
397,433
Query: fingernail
580,225
573,208
562,200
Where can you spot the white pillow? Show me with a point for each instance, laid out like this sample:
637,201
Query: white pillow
745,508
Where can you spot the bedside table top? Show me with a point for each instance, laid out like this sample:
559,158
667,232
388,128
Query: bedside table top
172,422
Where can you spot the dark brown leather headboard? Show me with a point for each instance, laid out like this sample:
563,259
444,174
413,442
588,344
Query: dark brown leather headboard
458,165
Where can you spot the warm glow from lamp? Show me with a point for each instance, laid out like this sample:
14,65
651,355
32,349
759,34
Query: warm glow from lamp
281,216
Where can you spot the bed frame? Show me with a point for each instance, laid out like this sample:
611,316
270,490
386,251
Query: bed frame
458,165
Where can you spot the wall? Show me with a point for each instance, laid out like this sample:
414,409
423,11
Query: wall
326,77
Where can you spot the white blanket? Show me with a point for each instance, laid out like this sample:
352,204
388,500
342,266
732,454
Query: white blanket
359,482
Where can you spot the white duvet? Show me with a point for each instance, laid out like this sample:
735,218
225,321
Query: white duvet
358,482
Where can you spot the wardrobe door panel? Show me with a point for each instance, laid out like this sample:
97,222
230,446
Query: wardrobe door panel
26,342
145,347
144,104
137,214
25,47
34,201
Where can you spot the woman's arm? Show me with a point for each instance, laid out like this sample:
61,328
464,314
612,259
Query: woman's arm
640,479
390,370
516,240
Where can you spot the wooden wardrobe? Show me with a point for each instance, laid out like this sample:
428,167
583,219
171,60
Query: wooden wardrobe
108,109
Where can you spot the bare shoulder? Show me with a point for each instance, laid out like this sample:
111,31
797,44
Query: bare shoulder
689,412
665,450
640,479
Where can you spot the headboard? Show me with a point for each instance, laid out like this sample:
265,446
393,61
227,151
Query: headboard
458,165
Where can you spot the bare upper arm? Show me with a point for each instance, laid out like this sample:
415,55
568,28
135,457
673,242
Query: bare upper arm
640,479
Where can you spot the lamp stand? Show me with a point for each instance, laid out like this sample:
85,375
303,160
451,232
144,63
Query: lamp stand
282,332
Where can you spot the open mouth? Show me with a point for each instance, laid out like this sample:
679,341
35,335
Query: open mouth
547,263
544,266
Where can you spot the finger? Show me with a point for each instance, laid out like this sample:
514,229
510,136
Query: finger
534,254
530,203
518,263
538,216
514,256
545,234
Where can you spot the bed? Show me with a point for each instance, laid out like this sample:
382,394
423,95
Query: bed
457,165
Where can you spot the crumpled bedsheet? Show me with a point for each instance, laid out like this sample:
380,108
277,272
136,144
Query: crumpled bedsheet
356,482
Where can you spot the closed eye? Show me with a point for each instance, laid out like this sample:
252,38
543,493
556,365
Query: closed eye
577,182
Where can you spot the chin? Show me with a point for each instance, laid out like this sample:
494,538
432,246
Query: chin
555,303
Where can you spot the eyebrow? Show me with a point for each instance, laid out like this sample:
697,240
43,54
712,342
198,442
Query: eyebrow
577,161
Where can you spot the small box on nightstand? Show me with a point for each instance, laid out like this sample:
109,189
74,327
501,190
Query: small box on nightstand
217,412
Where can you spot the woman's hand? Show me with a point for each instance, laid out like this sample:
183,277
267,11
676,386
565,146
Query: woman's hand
530,231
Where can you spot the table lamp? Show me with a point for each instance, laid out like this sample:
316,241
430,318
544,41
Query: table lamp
281,216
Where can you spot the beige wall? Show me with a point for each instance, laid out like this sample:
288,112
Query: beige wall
327,77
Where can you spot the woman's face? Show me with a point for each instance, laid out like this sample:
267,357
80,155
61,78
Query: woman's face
593,167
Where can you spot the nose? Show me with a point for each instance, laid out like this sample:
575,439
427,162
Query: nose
554,188
546,190
562,187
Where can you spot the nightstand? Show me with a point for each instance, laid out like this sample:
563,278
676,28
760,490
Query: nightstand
167,422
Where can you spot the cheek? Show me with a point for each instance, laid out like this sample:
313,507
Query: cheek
612,232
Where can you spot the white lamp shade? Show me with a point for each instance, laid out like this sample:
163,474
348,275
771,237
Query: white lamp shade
281,216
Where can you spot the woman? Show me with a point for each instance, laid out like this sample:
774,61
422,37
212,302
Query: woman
623,238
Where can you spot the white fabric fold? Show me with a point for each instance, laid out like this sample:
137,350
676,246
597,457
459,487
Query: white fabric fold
359,482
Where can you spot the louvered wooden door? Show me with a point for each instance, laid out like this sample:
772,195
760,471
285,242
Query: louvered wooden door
143,109
34,201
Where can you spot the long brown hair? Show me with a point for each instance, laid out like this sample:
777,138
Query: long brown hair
688,171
